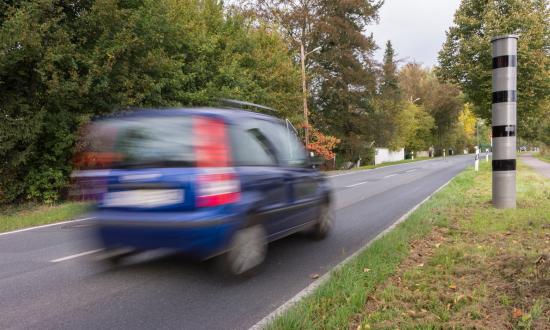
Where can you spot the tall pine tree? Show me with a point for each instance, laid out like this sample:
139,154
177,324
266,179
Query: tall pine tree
389,81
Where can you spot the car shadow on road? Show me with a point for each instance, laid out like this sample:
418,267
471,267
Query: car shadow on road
172,265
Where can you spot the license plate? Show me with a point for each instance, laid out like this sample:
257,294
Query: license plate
145,198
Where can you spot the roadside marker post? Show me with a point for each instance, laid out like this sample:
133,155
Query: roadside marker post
504,95
477,161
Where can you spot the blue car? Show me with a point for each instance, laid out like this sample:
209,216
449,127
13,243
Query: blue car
206,181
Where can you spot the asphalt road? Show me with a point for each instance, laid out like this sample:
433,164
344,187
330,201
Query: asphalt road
160,290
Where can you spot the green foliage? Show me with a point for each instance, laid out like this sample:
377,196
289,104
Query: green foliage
62,62
466,55
389,82
440,101
342,76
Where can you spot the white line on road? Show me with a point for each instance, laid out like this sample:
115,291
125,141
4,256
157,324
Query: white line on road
389,176
51,224
77,255
357,184
424,166
355,172
411,170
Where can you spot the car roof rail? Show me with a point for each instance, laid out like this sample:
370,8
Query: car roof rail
246,104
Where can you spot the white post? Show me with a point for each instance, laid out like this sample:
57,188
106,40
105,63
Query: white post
477,159
443,152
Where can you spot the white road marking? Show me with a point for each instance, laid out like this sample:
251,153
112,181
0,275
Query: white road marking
389,176
355,172
77,255
424,166
411,170
358,184
51,224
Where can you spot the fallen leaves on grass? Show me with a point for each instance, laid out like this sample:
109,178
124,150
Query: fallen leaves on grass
516,313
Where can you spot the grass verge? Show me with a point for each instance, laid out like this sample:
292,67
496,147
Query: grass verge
542,157
454,263
29,215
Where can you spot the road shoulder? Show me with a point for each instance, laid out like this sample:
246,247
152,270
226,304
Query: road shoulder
536,164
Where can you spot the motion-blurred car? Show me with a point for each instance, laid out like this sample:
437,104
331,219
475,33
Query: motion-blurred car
522,149
207,182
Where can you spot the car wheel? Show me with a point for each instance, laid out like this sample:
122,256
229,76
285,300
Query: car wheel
325,221
247,252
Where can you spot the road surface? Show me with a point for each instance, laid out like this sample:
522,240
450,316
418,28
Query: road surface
48,279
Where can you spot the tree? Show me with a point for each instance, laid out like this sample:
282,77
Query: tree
389,83
69,60
440,100
342,75
465,59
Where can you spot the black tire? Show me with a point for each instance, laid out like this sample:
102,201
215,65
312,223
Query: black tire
247,252
325,222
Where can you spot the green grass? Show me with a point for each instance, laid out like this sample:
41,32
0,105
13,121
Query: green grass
29,215
539,155
456,244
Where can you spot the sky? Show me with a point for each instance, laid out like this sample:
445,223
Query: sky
416,28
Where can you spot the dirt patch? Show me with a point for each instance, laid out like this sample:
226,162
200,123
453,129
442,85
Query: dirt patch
454,278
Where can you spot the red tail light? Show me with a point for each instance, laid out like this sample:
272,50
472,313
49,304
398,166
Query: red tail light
217,189
211,142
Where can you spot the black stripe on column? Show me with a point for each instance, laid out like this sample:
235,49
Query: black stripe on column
504,165
504,96
506,61
504,131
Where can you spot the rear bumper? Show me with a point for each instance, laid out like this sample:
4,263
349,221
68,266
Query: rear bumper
194,236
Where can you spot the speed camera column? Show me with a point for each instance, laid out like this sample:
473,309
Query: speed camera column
504,120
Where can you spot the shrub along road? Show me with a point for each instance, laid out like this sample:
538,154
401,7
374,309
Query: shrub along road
454,263
48,278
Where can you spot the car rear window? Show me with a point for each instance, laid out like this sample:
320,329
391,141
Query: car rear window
153,142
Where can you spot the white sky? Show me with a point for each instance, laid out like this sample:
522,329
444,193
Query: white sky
416,28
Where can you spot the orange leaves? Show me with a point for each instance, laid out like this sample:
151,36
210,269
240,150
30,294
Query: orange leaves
516,313
319,143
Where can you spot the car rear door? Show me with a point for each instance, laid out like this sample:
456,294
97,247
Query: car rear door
302,182
263,183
